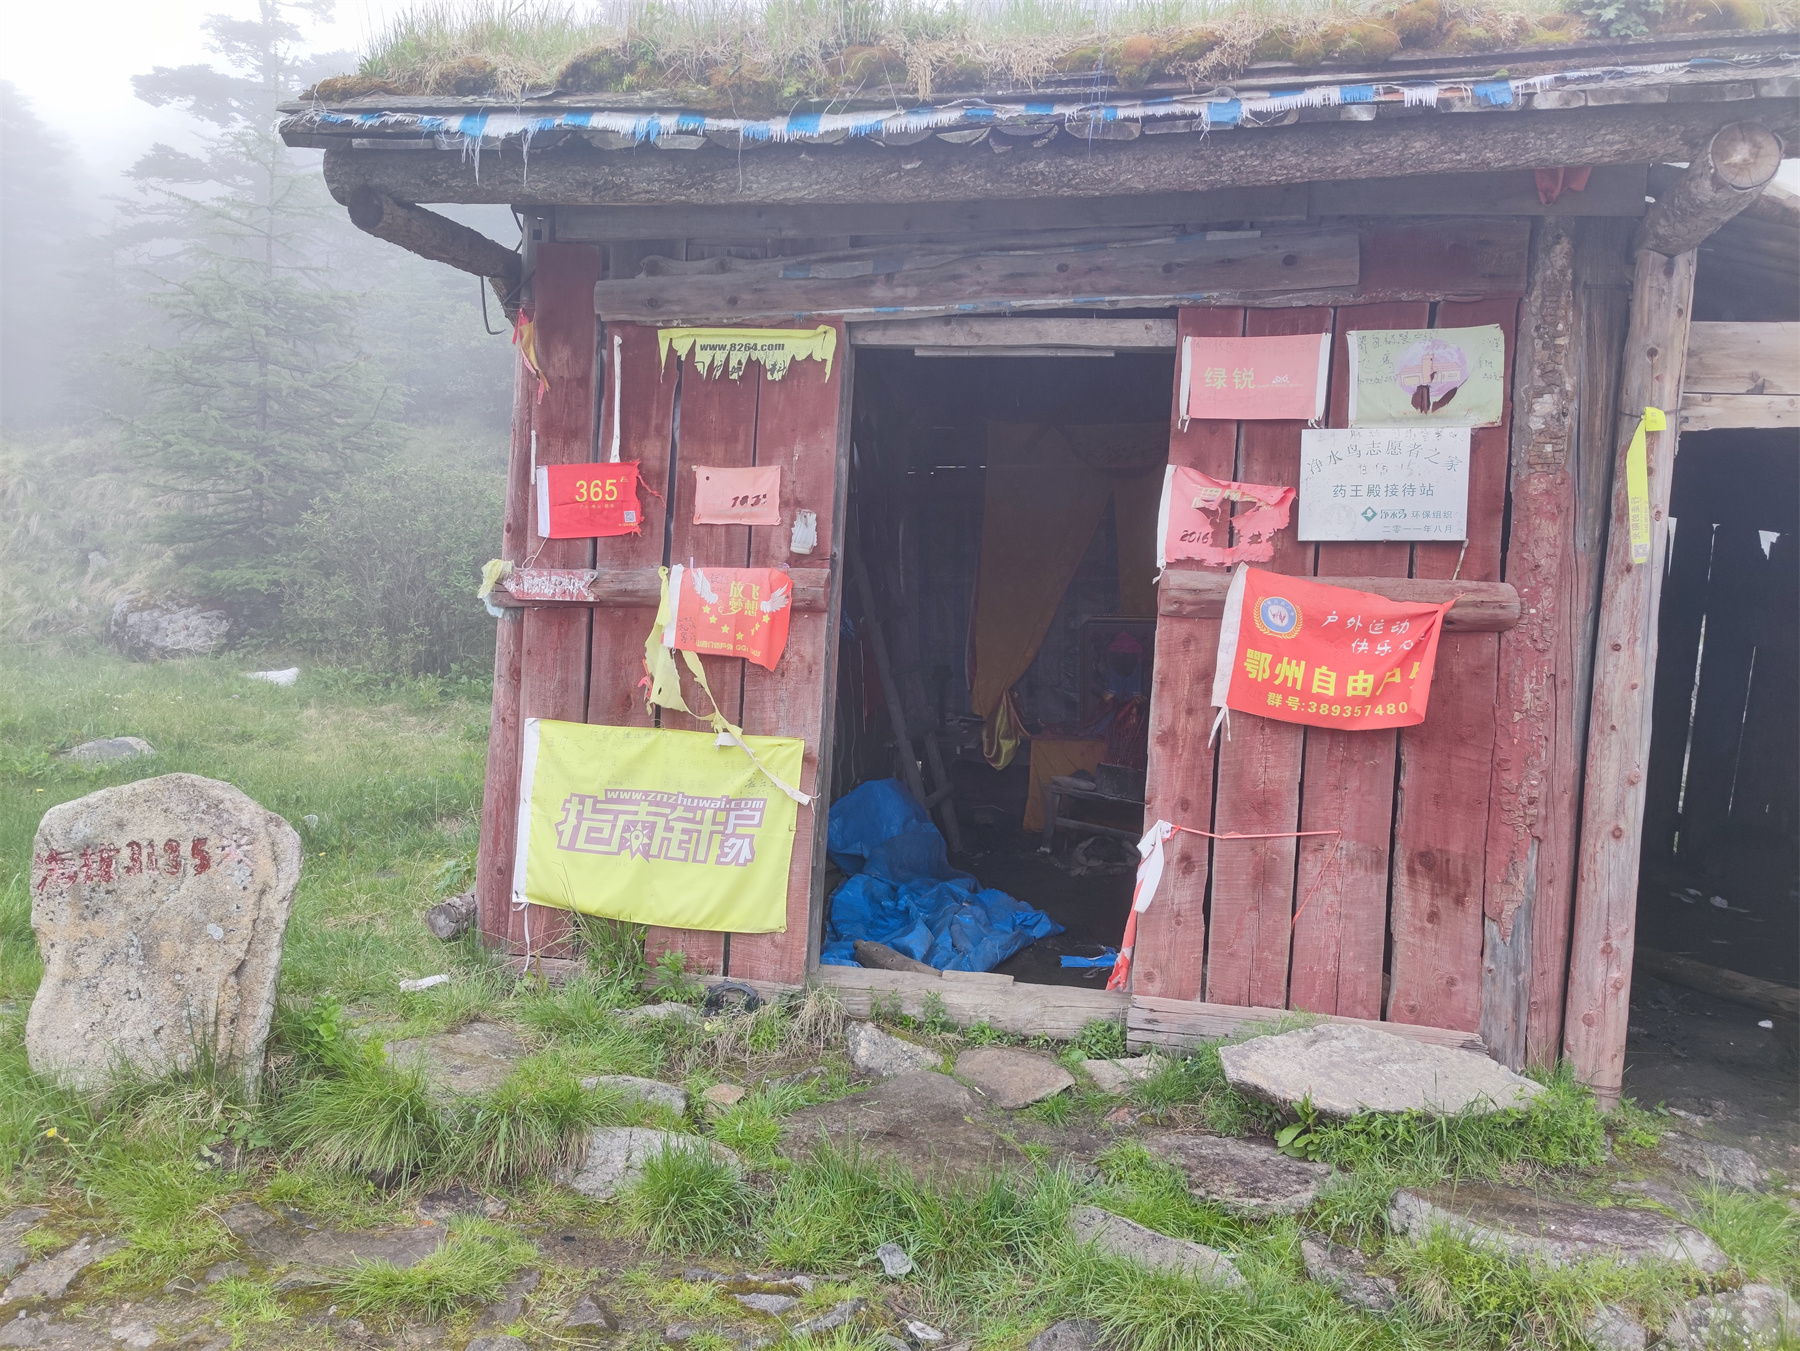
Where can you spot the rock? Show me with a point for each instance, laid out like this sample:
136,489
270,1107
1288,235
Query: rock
157,632
723,1095
1346,1070
1715,1163
652,1092
1071,1334
313,1252
500,1343
1611,1328
769,1304
13,1229
224,1271
246,1219
884,1055
1251,1177
109,749
894,1261
1012,1079
510,1307
1346,1271
658,1013
616,1156
441,1207
287,676
466,1063
922,1334
1117,1076
159,908
924,1121
1752,1318
137,1334
592,1312
51,1277
1115,1236
837,1316
25,1331
1556,1233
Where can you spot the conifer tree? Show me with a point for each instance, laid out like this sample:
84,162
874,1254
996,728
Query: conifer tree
258,397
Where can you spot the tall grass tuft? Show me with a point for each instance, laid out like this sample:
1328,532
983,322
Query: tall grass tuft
473,1266
688,1200
374,1118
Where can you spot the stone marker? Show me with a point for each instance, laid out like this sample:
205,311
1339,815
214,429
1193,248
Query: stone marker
109,749
1012,1079
1117,1076
616,1157
883,1055
924,1121
1251,1177
1557,1233
1072,1334
1346,1271
470,1061
1715,1163
50,1277
653,1092
1752,1318
1116,1236
1346,1070
159,908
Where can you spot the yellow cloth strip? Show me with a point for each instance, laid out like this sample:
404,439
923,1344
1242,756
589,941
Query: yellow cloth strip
1637,483
733,348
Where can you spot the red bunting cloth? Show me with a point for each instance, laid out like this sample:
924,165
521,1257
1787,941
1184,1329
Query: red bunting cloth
1278,377
1301,651
1196,521
585,501
730,612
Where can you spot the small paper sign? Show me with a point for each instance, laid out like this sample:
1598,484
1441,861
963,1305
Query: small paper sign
1255,379
737,496
1398,483
1451,377
586,501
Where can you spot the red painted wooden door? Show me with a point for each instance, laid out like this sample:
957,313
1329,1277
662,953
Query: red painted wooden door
1385,919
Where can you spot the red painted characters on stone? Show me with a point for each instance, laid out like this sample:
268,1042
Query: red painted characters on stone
101,863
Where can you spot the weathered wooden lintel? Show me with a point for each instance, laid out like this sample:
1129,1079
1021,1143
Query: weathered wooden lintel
1002,332
1481,607
1715,412
553,587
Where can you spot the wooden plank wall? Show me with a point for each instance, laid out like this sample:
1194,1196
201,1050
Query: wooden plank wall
1232,931
577,664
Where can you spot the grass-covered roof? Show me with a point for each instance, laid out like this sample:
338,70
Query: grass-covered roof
753,58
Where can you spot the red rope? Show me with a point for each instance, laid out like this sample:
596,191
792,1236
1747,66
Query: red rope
1280,835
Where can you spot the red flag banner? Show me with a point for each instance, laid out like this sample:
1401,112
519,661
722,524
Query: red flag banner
583,501
1301,651
1195,519
1255,379
730,612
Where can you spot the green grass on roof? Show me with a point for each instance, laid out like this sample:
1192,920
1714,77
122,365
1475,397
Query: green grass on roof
756,58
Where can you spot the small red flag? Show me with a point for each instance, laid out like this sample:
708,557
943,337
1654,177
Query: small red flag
583,501
730,612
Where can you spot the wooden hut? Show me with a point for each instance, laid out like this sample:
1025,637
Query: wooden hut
1481,885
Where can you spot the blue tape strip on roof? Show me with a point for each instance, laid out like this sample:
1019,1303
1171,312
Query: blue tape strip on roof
1212,111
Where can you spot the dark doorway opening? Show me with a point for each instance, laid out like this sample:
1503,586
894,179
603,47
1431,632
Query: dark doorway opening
1004,510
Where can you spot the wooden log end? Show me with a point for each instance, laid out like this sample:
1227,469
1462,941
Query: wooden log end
451,919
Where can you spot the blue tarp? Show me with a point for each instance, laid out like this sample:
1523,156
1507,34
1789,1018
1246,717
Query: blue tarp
904,893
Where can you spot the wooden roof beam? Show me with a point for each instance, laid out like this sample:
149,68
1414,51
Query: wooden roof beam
436,237
575,174
1738,162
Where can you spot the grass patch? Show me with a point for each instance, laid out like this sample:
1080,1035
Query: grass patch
244,1306
1761,1234
688,1200
374,1119
473,1266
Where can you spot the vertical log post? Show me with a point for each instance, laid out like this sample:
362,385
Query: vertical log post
1532,803
1624,670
